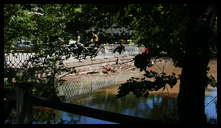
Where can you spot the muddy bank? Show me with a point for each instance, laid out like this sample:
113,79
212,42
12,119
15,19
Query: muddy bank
125,71
168,67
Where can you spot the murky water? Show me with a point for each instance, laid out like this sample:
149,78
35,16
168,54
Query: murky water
154,107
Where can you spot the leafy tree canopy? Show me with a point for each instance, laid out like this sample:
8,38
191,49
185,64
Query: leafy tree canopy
160,27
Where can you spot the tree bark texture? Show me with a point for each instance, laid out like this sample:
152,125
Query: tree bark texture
191,98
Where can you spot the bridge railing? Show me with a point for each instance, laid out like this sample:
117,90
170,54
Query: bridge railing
25,101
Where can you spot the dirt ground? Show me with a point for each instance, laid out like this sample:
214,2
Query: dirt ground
166,66
175,90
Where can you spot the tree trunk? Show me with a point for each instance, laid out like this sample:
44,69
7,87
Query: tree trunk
218,75
191,98
192,92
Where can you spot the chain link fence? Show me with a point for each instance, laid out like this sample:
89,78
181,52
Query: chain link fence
17,60
89,84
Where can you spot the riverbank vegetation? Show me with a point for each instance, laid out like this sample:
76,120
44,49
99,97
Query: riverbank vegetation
185,33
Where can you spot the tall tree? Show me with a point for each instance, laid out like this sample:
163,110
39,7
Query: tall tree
194,74
185,33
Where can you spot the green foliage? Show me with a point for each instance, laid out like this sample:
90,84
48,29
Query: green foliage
142,87
50,27
43,25
142,61
152,81
160,27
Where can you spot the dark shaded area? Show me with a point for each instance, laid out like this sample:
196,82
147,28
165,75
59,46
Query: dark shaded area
193,78
7,107
86,111
218,43
192,49
141,87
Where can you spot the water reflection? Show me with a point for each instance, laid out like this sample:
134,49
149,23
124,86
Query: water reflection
154,107
65,118
210,105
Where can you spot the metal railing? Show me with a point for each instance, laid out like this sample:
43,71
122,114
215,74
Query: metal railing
25,101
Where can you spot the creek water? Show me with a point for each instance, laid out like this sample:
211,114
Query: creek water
155,107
